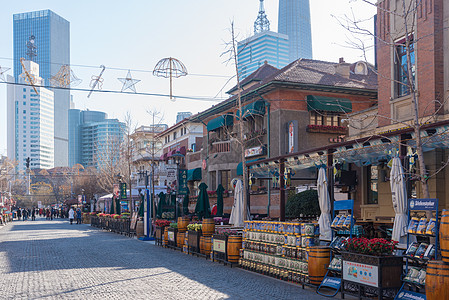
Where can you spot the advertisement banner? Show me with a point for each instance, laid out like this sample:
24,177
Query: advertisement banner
182,186
423,204
332,282
360,273
409,295
171,236
80,199
123,194
39,204
220,246
115,190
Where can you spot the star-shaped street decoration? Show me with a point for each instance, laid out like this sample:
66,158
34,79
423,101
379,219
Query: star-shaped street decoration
128,82
2,73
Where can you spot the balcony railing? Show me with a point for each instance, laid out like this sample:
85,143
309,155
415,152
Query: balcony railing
219,147
326,129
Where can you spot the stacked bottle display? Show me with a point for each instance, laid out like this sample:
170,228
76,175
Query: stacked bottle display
279,249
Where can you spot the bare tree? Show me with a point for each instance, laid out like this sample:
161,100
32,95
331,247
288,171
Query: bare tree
128,148
405,16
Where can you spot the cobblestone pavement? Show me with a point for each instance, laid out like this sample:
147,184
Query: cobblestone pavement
56,260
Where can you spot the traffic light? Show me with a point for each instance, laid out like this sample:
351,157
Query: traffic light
28,159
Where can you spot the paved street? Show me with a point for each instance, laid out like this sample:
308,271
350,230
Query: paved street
56,260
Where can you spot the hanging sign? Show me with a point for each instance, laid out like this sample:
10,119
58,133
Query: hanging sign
182,186
292,136
115,190
256,151
123,190
409,295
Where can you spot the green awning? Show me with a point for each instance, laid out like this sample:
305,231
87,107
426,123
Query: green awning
322,103
256,108
224,120
240,165
194,174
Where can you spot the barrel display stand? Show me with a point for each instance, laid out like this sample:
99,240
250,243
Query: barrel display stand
416,290
437,280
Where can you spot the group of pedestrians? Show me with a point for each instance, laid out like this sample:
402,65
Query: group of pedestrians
25,213
73,214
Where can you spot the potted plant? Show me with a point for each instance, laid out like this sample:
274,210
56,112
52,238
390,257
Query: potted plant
370,262
195,233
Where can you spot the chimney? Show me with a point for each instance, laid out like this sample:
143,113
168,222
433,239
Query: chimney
342,68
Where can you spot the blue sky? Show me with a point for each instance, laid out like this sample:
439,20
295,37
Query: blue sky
137,34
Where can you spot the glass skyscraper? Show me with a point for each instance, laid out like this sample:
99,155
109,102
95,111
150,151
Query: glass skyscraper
294,21
52,42
93,139
268,46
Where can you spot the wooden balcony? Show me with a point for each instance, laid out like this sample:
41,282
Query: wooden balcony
220,147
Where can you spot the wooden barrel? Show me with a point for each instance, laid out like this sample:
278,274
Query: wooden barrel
182,223
180,237
208,227
444,235
202,244
166,235
207,245
319,259
139,229
437,280
234,246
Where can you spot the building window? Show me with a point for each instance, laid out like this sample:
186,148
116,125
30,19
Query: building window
225,179
402,76
325,118
213,180
373,177
174,135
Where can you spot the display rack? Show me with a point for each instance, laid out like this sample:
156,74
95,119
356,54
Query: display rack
410,289
333,278
278,249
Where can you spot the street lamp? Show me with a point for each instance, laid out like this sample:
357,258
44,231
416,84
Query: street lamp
177,157
147,211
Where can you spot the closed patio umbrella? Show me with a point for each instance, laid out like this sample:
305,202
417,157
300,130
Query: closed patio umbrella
117,206
237,213
202,207
141,206
399,198
220,191
159,205
185,203
325,206
111,211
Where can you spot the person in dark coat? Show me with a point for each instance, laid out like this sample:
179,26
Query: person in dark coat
33,214
78,216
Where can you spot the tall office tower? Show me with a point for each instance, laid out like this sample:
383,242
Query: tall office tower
30,120
294,21
263,46
182,115
93,139
44,37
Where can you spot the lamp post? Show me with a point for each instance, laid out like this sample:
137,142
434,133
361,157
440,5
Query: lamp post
177,157
147,212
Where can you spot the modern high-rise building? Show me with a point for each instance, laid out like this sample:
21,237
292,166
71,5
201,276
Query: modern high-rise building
93,139
44,37
182,115
294,21
30,120
263,46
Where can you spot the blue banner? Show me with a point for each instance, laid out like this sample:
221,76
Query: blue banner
332,282
423,204
408,295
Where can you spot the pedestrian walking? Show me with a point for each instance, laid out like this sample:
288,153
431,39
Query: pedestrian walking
19,214
78,216
71,215
33,214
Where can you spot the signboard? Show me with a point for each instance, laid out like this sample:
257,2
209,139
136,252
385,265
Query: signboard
360,273
256,151
423,204
115,190
220,246
331,282
80,199
292,136
39,204
182,186
171,236
123,190
408,295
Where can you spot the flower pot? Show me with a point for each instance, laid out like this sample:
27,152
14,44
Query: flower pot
381,275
